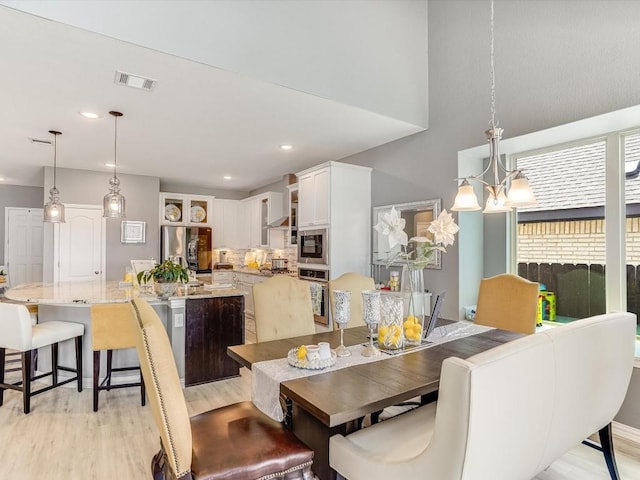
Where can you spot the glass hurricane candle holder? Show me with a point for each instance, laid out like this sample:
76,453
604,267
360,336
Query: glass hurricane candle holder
371,316
390,332
341,315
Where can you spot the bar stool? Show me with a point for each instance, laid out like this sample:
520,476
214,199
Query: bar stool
18,333
112,329
15,358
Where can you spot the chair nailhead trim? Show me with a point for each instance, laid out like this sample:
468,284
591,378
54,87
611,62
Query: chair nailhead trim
285,472
162,405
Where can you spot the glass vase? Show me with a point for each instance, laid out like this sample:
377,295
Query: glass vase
412,288
390,331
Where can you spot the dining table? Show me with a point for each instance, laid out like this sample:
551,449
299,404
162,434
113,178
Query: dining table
335,401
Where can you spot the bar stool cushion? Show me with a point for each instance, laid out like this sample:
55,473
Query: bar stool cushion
55,331
18,332
15,327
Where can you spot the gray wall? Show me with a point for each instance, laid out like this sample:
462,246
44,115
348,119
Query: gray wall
556,62
17,196
630,412
84,187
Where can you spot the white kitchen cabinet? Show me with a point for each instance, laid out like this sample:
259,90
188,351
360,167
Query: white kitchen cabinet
180,209
225,223
292,205
245,283
314,198
337,197
223,276
256,213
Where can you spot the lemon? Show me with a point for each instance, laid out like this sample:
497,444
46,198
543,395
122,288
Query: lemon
302,352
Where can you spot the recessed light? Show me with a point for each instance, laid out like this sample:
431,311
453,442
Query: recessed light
227,177
1,179
110,165
286,147
90,115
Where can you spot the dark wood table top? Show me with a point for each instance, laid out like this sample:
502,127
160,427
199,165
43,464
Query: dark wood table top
342,395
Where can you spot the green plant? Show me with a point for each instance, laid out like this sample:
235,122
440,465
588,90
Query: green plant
165,272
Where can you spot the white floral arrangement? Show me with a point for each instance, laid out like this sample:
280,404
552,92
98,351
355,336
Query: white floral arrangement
392,225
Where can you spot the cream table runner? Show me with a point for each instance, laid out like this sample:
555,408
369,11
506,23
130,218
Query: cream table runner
267,376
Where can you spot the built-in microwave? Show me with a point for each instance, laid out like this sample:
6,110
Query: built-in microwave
313,247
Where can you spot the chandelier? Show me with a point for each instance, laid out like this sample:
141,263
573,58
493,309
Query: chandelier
113,203
54,209
514,189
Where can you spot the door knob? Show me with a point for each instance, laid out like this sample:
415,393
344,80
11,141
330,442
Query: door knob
97,272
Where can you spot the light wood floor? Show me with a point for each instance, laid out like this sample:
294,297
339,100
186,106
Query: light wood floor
63,439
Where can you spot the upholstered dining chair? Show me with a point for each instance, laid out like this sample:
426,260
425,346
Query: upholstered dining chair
508,302
112,329
356,284
237,441
506,413
283,308
19,332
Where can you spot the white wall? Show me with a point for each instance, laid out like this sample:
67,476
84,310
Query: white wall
370,54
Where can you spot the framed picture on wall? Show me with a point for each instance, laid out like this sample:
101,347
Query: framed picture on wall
132,232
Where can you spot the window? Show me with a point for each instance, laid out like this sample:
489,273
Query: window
562,242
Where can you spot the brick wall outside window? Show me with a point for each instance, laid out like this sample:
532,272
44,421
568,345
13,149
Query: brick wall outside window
572,241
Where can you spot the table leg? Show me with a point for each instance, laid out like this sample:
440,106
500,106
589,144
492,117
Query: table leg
316,436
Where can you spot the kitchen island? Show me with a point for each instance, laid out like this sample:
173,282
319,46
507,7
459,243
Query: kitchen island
201,324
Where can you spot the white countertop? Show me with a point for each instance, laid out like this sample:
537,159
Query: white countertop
98,292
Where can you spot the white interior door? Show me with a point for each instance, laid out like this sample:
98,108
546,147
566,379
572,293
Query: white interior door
80,245
23,244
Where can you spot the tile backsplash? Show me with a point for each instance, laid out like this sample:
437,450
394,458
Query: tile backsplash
262,255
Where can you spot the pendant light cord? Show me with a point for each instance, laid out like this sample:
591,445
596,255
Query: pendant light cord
115,147
492,70
55,158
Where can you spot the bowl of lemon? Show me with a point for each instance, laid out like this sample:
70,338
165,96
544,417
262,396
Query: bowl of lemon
299,357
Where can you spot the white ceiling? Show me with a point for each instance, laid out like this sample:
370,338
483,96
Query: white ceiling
200,123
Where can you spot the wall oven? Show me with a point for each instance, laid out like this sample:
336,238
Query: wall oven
319,285
312,247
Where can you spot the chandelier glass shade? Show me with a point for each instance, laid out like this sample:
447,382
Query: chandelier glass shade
54,209
510,191
114,202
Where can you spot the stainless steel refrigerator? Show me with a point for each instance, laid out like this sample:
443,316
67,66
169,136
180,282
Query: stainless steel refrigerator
189,246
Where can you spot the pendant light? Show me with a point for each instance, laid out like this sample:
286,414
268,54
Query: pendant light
53,209
113,203
501,198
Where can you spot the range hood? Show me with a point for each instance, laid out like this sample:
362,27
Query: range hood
281,223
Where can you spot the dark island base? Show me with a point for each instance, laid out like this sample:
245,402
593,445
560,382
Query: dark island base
212,325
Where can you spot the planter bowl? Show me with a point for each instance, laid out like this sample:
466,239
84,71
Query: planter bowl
165,289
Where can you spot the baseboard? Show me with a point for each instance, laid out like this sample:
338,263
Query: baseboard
628,433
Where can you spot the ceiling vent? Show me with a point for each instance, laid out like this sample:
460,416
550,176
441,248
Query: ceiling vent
39,141
135,81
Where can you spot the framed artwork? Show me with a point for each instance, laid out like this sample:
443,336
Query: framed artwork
132,232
